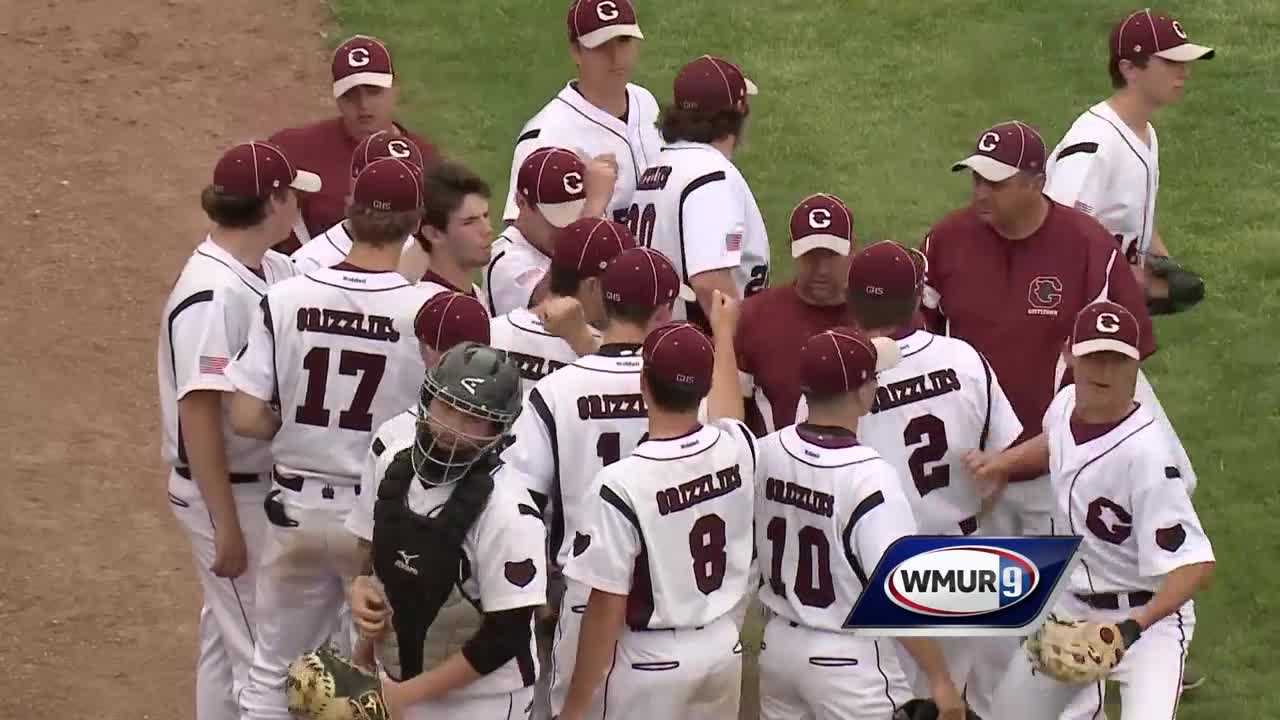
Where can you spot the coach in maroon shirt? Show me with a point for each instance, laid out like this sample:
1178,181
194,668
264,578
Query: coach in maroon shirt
777,322
363,84
1008,274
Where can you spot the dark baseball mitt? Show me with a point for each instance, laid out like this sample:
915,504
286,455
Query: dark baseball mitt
1185,288
925,709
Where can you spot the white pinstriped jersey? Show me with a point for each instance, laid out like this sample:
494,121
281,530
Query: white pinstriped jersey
1122,489
826,510
526,340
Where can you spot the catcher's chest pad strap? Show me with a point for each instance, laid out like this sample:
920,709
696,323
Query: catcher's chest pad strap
419,559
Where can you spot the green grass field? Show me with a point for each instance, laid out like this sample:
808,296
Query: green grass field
873,101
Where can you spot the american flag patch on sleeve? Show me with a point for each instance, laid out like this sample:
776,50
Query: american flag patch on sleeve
212,365
733,241
1084,207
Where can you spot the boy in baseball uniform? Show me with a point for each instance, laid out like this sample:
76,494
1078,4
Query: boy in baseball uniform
1117,482
218,480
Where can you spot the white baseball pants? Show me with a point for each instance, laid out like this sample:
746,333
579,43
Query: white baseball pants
514,705
227,616
810,674
977,665
564,649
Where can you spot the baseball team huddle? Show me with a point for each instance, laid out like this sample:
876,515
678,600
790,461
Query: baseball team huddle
563,492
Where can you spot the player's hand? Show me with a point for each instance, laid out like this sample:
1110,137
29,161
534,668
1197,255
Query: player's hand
565,318
948,699
369,608
394,697
230,556
599,178
987,471
724,314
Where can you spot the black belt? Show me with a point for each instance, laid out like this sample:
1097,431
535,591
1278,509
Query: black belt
969,525
236,478
1111,601
295,483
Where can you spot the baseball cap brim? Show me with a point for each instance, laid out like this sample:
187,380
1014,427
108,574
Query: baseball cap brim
887,353
687,294
382,80
1086,347
306,182
834,243
562,214
1186,52
990,169
752,88
600,36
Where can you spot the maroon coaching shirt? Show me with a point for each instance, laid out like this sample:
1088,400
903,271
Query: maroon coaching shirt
1016,300
325,148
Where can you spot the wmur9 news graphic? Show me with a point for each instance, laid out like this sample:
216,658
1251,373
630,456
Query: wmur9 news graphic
946,585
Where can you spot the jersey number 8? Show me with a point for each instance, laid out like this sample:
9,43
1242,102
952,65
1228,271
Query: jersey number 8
706,546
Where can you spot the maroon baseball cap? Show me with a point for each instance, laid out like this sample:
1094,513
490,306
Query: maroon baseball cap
1104,325
680,354
644,277
587,245
593,23
256,169
449,318
389,185
712,84
551,180
1151,32
384,144
821,221
842,359
1005,150
361,60
886,270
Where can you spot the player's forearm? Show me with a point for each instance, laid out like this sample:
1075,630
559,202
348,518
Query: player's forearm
725,398
200,414
455,672
252,417
601,626
705,284
1027,458
1178,587
928,657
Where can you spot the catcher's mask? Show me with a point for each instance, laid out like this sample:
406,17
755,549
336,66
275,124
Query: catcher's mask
467,405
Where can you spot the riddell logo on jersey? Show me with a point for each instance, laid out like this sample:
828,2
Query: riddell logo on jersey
961,581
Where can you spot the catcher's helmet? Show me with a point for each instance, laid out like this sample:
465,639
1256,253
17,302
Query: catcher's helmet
477,381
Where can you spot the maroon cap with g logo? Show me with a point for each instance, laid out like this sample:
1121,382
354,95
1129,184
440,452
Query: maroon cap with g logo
680,354
1104,325
593,23
712,84
384,144
1005,150
361,60
449,318
586,246
256,169
551,180
886,270
842,359
821,221
388,185
643,277
1151,32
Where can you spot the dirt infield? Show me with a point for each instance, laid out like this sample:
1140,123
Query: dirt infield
112,118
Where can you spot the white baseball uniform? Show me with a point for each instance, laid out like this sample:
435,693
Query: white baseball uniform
1103,168
515,269
324,250
206,321
694,206
1119,487
526,340
336,349
826,510
569,121
670,527
501,536
576,421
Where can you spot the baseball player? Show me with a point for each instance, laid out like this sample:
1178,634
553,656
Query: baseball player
826,510
1116,479
455,235
457,558
692,203
335,352
447,319
582,252
585,416
553,188
601,112
330,247
217,480
668,548
366,96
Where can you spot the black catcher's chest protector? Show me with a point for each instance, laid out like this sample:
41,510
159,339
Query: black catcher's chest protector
418,559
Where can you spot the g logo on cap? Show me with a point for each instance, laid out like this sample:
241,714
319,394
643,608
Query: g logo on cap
358,57
573,182
607,11
819,218
398,149
988,141
1107,323
1177,28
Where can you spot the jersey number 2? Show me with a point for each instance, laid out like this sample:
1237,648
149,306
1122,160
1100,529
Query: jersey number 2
813,589
929,432
368,366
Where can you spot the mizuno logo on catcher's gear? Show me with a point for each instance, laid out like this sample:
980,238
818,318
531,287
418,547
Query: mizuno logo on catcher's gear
405,562
472,383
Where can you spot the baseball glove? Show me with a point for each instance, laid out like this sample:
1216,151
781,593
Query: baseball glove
1077,652
323,686
925,709
1185,288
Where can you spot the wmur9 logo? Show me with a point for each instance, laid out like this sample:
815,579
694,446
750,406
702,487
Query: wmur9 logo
952,585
